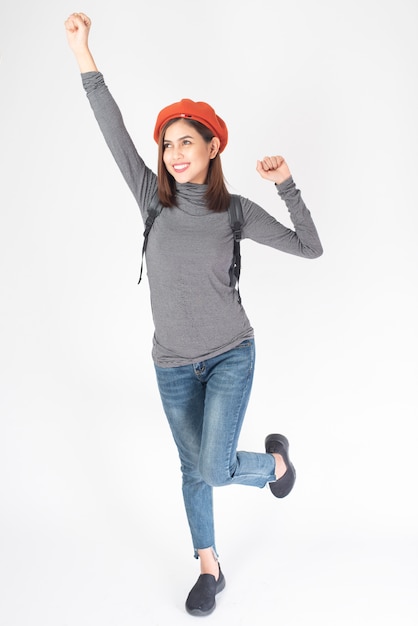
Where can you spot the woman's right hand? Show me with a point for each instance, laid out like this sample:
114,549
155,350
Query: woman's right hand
77,27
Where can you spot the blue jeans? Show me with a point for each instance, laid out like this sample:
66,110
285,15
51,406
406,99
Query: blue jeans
205,404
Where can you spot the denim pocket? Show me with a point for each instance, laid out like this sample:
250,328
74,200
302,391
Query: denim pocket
247,343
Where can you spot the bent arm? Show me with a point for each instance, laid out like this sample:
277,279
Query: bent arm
263,228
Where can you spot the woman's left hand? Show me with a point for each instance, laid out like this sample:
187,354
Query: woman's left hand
274,168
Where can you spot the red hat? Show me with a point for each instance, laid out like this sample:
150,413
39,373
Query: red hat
199,111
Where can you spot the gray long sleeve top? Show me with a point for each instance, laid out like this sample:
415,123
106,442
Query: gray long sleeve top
197,314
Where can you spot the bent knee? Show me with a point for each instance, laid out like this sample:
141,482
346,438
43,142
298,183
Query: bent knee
214,476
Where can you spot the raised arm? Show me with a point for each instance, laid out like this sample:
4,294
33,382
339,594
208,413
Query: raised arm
77,27
140,179
262,227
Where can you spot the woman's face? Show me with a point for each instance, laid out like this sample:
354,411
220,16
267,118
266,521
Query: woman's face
186,154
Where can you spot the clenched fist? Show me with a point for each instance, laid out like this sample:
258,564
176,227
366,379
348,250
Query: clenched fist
273,168
77,27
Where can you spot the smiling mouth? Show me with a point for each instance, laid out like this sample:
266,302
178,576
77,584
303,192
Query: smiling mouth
181,168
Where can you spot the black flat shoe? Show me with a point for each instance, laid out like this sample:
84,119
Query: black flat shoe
280,445
201,599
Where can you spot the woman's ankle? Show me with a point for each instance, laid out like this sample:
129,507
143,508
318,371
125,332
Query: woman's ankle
208,562
281,467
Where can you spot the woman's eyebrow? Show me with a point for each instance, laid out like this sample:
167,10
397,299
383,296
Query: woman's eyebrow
179,139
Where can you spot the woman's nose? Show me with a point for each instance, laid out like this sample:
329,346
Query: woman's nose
177,152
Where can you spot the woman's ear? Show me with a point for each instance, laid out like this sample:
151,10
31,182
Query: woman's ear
214,147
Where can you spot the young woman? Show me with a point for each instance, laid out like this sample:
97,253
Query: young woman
203,348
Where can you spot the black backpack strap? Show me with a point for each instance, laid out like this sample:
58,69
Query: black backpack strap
236,220
153,211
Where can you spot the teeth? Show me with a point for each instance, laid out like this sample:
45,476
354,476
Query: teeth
179,168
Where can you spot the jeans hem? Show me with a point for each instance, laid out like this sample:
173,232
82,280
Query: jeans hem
215,554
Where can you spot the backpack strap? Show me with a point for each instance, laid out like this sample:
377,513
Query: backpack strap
236,219
153,210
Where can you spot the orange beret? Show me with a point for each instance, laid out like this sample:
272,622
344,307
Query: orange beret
199,111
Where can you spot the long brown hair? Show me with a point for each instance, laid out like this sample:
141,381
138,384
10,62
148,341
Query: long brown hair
217,195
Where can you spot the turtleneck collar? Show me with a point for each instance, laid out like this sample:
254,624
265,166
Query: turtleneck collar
193,193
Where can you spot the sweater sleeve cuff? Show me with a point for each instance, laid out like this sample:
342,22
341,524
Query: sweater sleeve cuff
92,80
285,186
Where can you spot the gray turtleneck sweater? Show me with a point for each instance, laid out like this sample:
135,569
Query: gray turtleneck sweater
196,312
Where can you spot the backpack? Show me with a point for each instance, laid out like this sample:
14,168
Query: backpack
236,219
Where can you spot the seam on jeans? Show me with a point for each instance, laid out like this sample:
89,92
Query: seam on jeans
238,410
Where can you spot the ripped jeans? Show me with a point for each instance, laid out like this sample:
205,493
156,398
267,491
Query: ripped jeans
205,405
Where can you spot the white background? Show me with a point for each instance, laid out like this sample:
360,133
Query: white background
91,517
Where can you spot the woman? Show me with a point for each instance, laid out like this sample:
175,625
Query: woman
203,348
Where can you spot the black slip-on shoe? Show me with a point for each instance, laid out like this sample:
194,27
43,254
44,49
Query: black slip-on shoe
280,445
201,599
